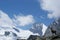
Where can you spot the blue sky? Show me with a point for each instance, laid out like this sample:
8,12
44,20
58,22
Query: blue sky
25,7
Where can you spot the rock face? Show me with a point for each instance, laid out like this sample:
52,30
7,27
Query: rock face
34,37
6,33
53,31
56,26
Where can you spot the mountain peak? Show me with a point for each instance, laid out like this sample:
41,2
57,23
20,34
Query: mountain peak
39,28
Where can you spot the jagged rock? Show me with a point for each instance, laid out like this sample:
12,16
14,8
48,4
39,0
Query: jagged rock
7,33
53,31
34,37
16,29
14,34
56,26
56,38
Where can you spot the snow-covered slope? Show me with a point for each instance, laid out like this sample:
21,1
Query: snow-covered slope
24,34
39,28
15,32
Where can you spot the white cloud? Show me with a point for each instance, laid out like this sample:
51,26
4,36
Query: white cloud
24,20
5,20
53,6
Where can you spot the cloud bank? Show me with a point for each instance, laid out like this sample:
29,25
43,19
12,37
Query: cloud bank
24,20
6,21
52,6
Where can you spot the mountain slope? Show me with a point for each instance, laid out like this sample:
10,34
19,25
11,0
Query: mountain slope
39,28
15,32
56,26
53,31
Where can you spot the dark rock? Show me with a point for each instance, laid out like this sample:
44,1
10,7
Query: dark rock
7,33
16,29
34,37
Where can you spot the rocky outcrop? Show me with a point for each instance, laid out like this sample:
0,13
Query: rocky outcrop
34,37
52,32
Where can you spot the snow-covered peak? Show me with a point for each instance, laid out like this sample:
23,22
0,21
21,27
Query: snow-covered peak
44,29
39,28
